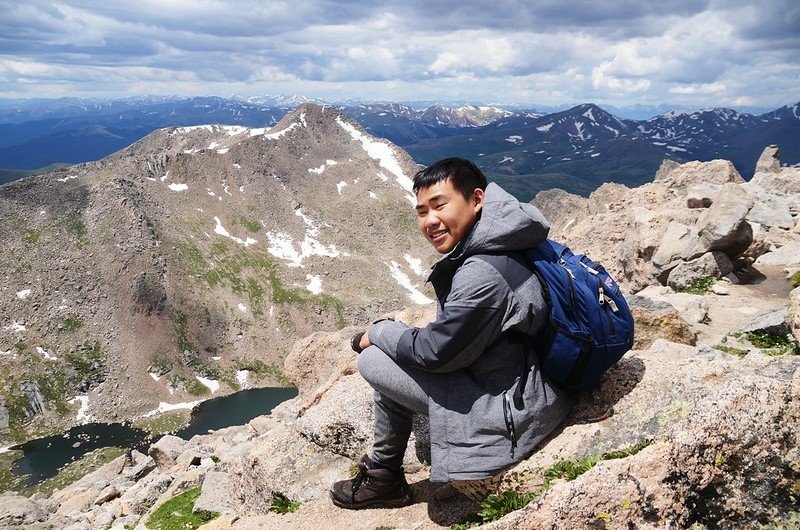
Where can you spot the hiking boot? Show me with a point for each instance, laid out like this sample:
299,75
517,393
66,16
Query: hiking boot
372,487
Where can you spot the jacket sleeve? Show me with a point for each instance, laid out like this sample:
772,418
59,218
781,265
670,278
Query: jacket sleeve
471,319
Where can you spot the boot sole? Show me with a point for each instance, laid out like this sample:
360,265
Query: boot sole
377,503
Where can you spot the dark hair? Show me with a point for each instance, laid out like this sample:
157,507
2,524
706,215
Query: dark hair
465,176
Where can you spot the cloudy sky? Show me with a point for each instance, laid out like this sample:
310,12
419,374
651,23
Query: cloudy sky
694,53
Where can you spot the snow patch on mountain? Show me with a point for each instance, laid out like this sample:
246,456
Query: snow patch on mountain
211,384
383,153
314,283
545,128
404,281
219,229
178,187
83,415
46,354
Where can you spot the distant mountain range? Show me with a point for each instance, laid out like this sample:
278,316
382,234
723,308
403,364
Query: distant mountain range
576,149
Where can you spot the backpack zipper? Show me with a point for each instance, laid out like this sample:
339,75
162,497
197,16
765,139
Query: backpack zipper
605,305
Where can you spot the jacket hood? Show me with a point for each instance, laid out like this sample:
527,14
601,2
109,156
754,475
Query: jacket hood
505,225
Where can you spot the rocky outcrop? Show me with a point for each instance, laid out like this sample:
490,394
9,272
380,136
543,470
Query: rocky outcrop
687,211
770,160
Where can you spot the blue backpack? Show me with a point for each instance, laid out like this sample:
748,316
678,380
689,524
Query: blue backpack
590,326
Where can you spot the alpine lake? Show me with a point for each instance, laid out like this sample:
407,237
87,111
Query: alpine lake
46,457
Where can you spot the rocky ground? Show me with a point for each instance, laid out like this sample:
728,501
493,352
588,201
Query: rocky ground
696,427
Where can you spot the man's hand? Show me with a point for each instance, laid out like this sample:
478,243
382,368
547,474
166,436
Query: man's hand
360,341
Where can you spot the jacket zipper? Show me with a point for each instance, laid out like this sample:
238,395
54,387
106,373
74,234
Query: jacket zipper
509,419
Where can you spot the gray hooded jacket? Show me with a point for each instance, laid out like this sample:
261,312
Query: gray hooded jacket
477,365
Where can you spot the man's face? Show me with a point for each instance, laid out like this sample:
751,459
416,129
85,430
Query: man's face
444,216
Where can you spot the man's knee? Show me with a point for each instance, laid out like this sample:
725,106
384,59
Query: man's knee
369,364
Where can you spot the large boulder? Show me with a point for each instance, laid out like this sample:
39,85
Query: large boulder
723,226
709,265
787,255
686,175
772,211
655,319
677,243
770,160
702,195
724,451
17,511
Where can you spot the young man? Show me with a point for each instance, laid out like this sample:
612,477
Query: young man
469,370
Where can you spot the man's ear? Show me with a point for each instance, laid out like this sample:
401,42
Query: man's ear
477,199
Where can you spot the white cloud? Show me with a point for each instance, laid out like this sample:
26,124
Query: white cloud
537,52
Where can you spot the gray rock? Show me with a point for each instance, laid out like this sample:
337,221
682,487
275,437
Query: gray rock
711,264
342,421
166,451
30,389
723,226
140,498
284,462
774,322
657,319
771,211
17,511
770,160
702,195
140,470
724,429
665,169
215,493
787,255
793,314
3,414
677,243
109,493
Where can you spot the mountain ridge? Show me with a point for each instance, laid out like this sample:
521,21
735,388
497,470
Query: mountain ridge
196,257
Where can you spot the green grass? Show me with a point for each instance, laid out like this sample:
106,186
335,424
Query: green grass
88,363
177,514
282,504
261,370
773,343
31,237
247,273
795,279
497,505
181,324
730,349
166,423
250,225
75,227
71,324
699,285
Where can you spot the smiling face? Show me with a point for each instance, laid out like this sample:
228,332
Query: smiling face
444,216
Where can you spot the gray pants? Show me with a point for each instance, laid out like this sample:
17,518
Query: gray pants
400,392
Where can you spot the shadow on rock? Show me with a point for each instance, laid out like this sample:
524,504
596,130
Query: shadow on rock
446,506
618,382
